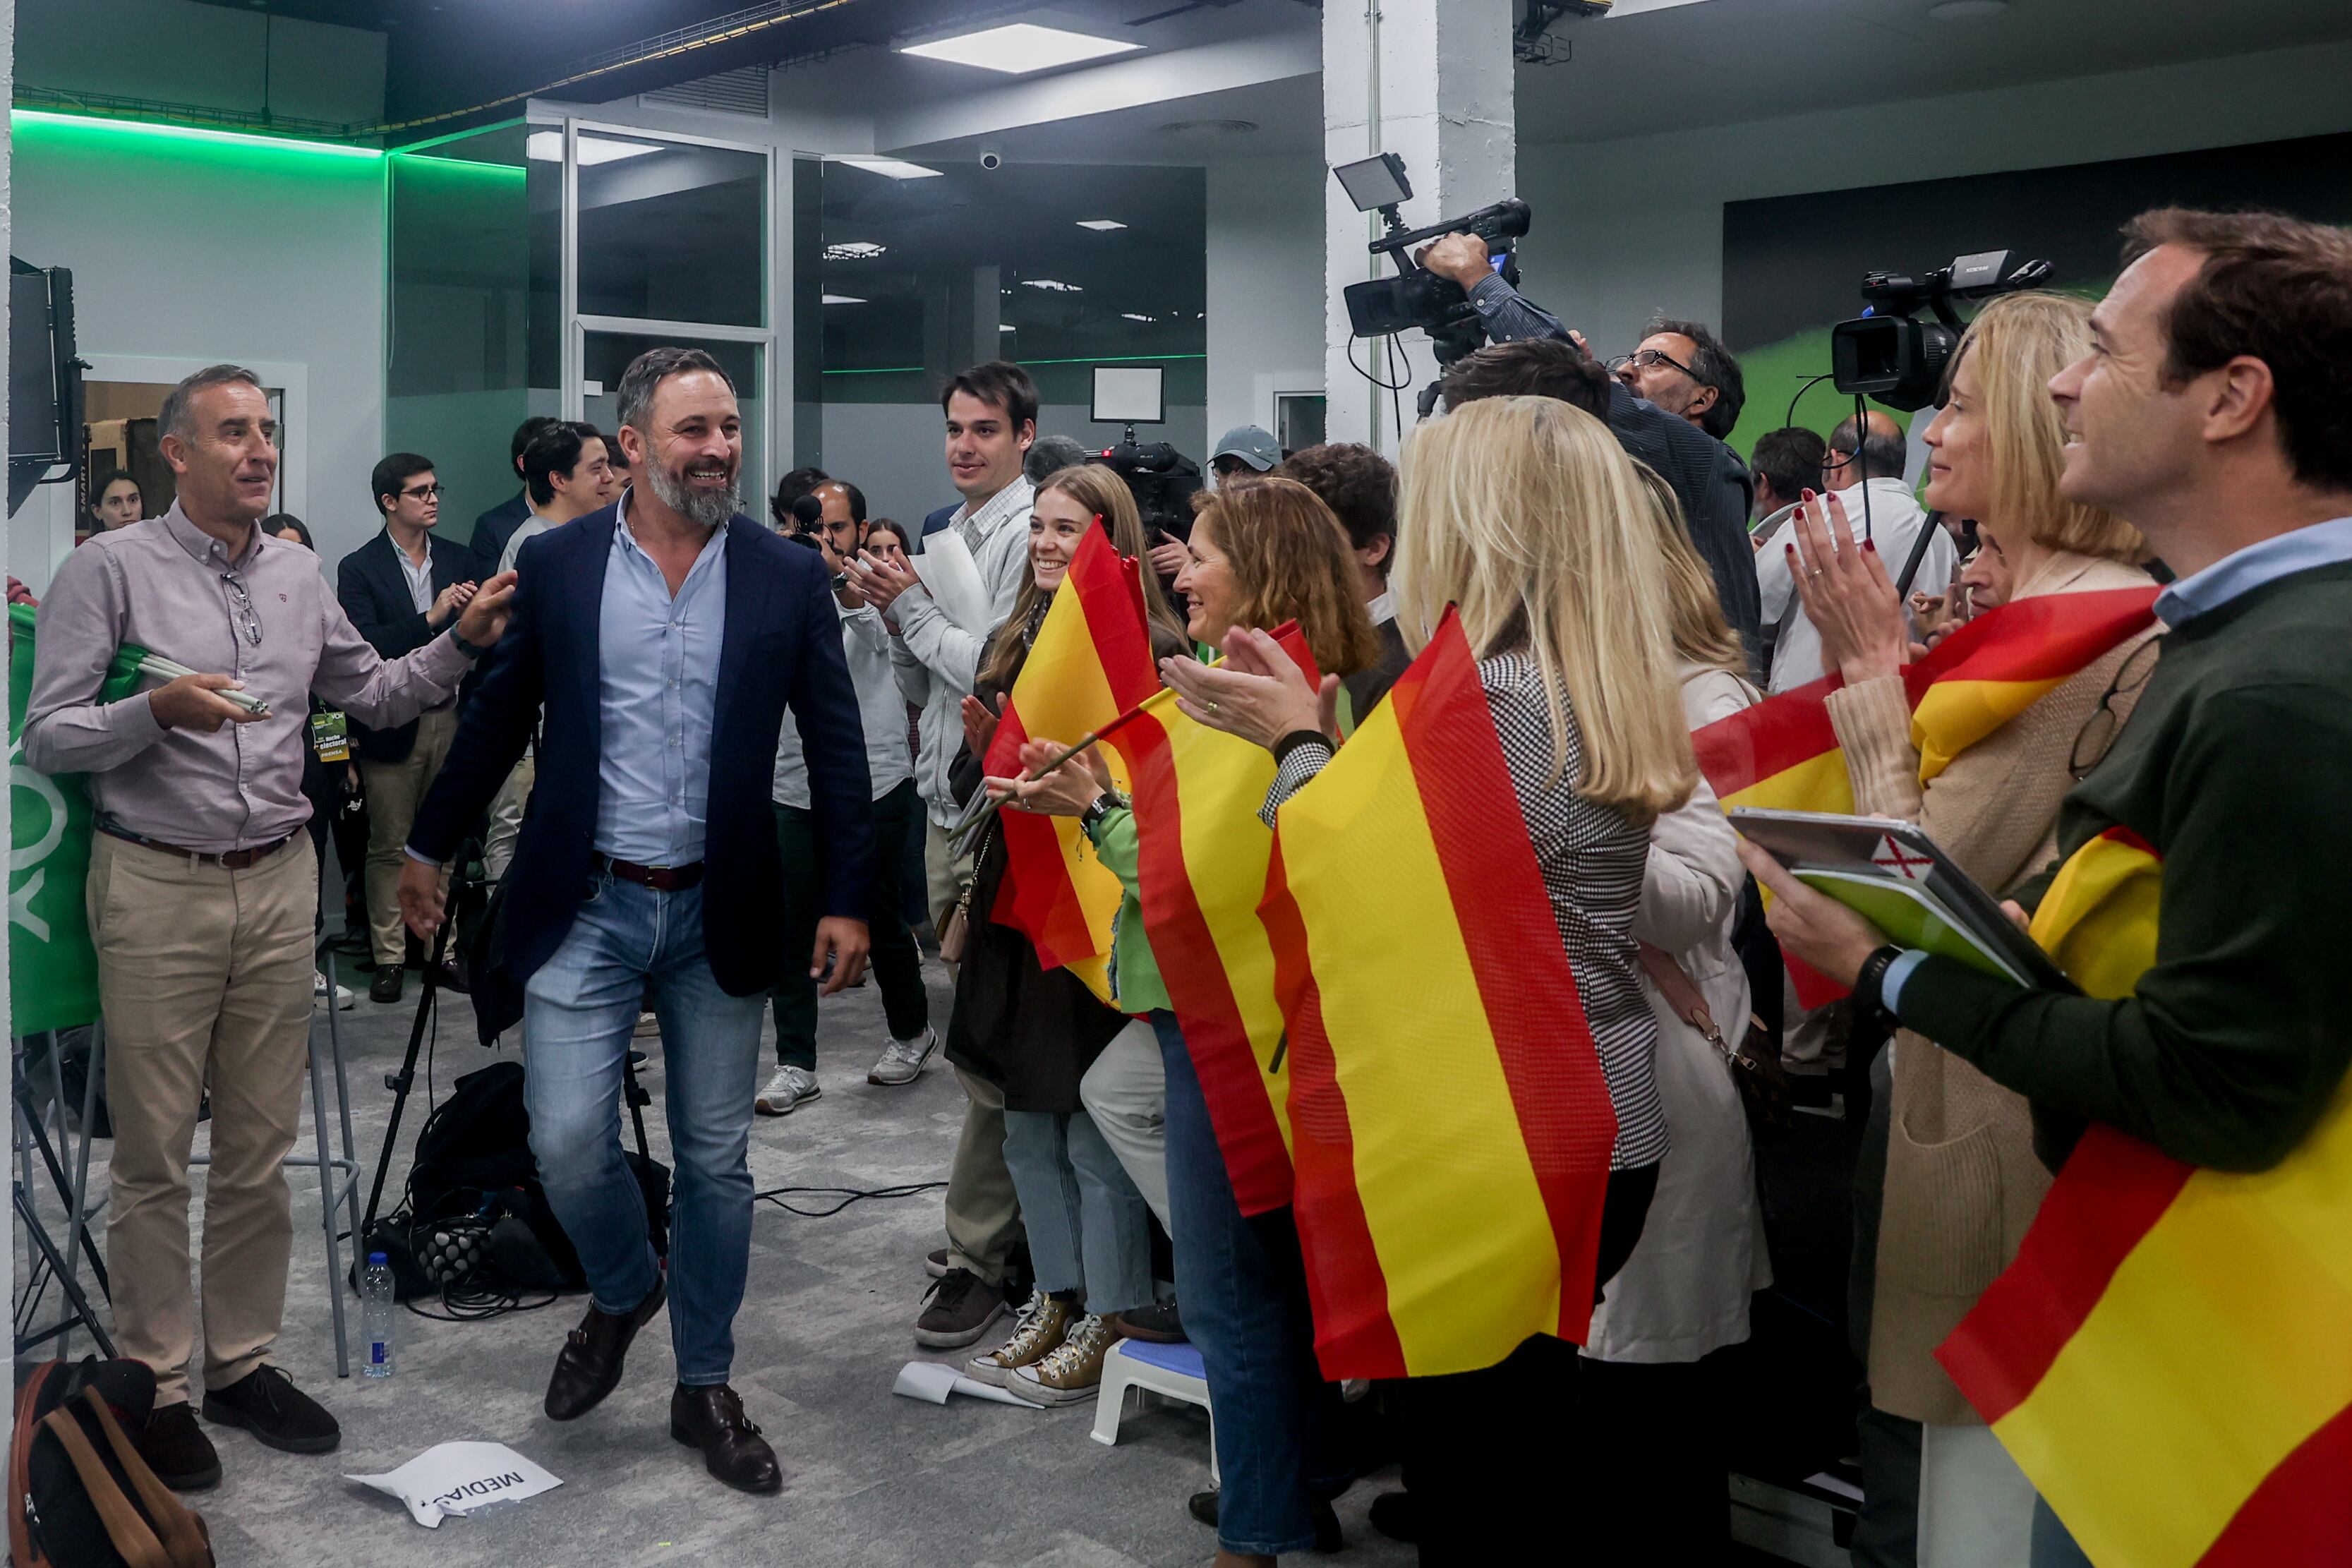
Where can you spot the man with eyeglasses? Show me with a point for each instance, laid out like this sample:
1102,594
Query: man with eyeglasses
1685,370
401,589
203,884
1706,476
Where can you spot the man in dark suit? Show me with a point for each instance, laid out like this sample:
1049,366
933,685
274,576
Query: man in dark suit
496,526
664,637
402,589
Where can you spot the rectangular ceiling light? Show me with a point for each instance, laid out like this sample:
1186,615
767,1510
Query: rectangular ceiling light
1100,224
1052,285
840,300
547,147
854,250
890,168
1019,48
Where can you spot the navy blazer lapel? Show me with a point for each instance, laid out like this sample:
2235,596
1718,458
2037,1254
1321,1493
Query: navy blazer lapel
586,600
747,587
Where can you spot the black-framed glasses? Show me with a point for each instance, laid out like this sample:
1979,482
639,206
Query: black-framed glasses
241,605
426,492
1649,359
2098,736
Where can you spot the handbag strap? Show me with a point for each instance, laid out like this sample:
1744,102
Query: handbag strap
183,1534
1683,996
124,1528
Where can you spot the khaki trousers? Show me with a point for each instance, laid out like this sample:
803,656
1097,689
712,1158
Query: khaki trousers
198,967
506,817
394,791
983,1213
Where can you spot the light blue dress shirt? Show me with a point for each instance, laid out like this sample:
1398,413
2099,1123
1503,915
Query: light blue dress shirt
656,687
2240,572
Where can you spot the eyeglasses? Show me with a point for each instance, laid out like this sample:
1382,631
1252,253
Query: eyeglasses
1649,359
2098,732
426,492
241,605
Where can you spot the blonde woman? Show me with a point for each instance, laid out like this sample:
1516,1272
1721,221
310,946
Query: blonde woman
1526,514
1962,1182
1646,1395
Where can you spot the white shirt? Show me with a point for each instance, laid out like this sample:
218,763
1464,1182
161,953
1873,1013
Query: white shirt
881,712
1382,607
419,575
1895,519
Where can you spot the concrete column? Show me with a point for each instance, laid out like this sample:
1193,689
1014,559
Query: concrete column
1431,81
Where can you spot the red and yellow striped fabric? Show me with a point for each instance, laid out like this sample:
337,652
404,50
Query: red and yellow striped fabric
2170,1358
1783,754
1449,1124
1202,860
1092,660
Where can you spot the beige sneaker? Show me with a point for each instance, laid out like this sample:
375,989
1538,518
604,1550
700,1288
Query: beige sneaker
1043,1323
1073,1371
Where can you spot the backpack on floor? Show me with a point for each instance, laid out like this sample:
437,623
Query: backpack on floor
79,1494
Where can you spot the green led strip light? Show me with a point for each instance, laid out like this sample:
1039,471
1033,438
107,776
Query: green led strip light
1091,359
39,117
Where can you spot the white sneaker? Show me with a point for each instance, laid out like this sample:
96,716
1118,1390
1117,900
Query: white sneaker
791,1087
901,1061
343,997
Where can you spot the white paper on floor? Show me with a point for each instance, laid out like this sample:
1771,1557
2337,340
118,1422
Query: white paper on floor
935,1380
450,1480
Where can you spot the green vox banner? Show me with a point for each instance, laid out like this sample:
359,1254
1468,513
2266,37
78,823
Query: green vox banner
52,967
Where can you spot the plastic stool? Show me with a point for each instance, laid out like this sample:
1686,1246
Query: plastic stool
1173,1371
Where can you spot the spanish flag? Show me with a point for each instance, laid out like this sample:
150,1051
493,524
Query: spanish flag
2170,1358
1784,752
1092,660
1203,856
1450,1125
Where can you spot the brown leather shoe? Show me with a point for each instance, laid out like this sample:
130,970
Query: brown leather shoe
712,1420
588,1367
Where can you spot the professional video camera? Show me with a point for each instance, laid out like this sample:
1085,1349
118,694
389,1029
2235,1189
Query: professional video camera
1886,353
1416,296
1161,478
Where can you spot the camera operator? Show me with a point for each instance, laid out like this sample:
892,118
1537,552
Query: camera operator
1685,370
1706,476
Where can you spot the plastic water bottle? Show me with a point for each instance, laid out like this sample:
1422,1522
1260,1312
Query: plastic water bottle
375,1316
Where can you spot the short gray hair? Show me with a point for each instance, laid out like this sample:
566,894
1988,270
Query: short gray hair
1049,455
176,417
649,369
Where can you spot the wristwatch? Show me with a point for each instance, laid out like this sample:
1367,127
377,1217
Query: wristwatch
1110,800
471,650
1869,985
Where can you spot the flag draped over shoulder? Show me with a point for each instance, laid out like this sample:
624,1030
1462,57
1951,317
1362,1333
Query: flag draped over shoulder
52,967
1450,1127
1783,754
1203,856
1092,660
2170,1358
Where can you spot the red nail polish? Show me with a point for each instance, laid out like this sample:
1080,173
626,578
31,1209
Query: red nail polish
1790,549
1871,545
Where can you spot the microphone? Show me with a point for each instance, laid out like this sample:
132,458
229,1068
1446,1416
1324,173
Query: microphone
807,514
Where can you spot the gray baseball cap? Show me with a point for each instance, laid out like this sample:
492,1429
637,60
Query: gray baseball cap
1250,445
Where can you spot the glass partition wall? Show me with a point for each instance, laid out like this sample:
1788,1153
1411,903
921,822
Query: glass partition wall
531,261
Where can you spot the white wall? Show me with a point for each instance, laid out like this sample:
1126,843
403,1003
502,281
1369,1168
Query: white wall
1265,286
205,251
176,51
1628,229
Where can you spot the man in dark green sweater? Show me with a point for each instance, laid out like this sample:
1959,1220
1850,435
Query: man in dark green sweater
2215,413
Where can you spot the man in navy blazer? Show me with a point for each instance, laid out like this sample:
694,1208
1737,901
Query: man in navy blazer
402,589
663,638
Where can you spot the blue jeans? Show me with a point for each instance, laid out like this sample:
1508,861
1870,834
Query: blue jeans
580,1010
1243,1291
2053,1547
1089,1228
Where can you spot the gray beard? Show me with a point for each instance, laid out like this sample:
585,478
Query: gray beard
697,506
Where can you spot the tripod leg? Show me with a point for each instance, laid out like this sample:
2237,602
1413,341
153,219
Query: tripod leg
343,1102
79,1302
327,1200
402,1082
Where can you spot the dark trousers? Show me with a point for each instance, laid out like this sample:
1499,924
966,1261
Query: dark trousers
898,962
1654,1462
1481,1498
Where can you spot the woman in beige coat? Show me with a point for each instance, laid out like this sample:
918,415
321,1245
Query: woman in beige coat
1962,1182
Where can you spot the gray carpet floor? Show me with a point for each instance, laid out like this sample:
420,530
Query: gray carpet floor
870,1478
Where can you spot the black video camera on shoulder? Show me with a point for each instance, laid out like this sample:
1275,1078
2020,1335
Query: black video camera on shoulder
1887,354
1416,296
